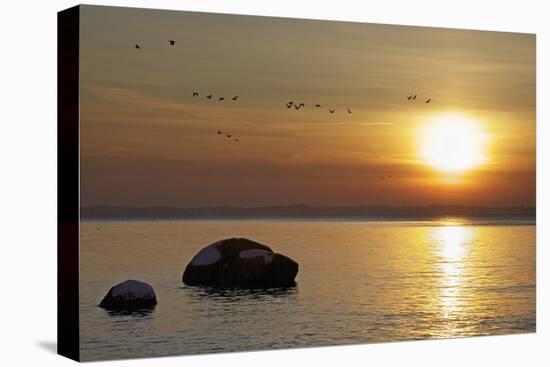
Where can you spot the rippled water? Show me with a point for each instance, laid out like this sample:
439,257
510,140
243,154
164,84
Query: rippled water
359,282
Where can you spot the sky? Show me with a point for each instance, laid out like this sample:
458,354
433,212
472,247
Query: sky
146,141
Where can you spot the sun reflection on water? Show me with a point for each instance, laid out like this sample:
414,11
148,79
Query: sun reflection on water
453,248
454,240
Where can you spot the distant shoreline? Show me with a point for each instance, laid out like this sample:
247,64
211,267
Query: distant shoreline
305,212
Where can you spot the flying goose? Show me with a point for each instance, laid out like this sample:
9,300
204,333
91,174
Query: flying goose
209,96
349,111
235,98
137,46
428,100
195,94
331,110
172,42
221,99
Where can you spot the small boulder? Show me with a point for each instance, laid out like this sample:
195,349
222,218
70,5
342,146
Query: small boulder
129,295
240,262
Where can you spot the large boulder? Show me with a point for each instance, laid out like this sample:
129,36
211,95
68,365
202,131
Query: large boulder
240,262
130,295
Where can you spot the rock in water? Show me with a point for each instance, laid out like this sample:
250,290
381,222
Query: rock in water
130,295
240,262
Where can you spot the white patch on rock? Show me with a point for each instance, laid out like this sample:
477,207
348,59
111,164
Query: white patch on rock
208,255
250,254
133,289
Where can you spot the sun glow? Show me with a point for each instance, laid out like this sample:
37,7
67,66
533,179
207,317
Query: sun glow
452,143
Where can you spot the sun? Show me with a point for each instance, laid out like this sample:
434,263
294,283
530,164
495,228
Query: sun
452,143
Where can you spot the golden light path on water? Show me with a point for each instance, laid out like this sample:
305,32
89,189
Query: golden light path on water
455,244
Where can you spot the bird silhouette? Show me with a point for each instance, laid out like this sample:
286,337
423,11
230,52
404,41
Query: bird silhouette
297,106
221,99
349,111
172,42
331,110
409,97
235,98
138,46
236,139
414,97
195,94
229,135
428,100
220,132
289,104
209,96
317,105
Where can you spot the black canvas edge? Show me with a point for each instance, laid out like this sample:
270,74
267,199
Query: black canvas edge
68,189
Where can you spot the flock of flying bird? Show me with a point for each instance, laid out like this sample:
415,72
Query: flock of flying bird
297,106
220,99
289,104
413,98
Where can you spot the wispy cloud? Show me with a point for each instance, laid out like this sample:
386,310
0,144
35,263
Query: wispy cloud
377,123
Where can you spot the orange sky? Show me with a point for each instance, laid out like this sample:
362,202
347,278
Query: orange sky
145,141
